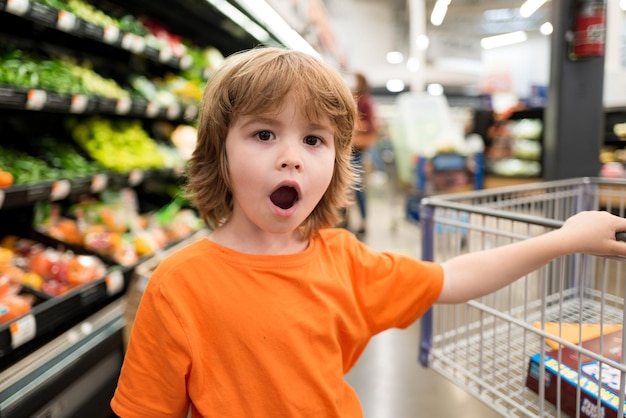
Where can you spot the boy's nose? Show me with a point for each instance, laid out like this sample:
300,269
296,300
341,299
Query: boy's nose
290,157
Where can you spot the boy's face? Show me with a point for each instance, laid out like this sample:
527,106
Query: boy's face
280,165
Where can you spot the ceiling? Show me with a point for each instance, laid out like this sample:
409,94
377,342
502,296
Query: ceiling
465,23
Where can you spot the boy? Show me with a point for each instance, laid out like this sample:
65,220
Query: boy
265,317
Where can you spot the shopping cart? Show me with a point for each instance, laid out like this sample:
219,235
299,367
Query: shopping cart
497,347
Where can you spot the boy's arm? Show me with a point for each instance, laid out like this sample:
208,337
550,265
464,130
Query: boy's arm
477,274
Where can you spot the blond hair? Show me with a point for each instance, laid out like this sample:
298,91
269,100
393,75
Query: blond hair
255,82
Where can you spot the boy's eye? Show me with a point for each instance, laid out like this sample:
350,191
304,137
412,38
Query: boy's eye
312,140
264,135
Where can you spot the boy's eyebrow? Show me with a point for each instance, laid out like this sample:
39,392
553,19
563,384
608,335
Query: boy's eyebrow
251,119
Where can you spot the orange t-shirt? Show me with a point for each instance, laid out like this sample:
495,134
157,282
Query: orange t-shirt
240,335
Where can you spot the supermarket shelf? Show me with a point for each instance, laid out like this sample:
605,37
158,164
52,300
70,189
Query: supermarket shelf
17,98
51,314
24,195
75,26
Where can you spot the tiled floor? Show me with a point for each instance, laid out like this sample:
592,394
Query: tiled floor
388,379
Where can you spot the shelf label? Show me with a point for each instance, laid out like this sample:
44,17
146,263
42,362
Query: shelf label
1,198
36,99
114,282
111,34
133,43
23,330
17,7
165,54
60,189
66,21
191,111
99,182
152,109
135,177
79,103
173,111
123,105
185,62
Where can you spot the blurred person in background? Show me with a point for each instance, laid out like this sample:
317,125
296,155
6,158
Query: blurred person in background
365,135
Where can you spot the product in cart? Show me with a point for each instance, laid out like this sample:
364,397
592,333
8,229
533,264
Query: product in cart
596,378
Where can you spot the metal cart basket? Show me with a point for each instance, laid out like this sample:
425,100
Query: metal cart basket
496,347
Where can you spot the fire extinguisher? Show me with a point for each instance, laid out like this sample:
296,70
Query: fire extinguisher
590,28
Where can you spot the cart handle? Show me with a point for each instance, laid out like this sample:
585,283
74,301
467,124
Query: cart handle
620,236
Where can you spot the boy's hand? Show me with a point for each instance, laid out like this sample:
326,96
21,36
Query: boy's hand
594,232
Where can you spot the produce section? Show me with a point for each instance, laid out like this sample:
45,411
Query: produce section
516,148
98,104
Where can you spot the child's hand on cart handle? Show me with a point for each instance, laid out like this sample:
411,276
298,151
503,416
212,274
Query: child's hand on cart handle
597,232
480,273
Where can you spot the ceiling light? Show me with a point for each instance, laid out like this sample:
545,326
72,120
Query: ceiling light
422,42
503,40
546,28
413,64
530,6
395,85
395,57
269,18
622,5
439,12
435,89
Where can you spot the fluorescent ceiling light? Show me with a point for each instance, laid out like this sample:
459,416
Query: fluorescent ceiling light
435,89
622,4
395,85
395,57
241,19
422,41
265,14
503,40
546,28
530,6
439,12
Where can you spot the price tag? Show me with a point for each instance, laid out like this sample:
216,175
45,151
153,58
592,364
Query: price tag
133,43
165,54
191,111
66,21
23,330
79,103
135,177
114,282
185,62
60,189
1,198
152,109
111,34
173,111
17,7
123,105
127,41
36,99
99,182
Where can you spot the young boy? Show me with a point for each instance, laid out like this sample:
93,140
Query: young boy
265,317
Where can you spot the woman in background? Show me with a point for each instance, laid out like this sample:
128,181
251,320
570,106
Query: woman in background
365,135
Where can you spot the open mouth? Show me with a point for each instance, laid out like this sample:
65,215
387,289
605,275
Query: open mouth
284,197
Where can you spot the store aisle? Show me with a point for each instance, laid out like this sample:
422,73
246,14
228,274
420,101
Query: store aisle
388,379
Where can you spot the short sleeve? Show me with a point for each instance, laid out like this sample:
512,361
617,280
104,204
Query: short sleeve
394,289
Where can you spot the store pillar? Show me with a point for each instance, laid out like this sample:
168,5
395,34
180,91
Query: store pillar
574,116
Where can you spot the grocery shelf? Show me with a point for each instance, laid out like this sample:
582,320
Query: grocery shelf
24,195
73,25
16,98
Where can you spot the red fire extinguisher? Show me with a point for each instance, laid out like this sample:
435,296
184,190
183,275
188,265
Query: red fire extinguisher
589,33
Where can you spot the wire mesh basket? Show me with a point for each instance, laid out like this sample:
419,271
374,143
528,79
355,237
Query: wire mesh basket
563,322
